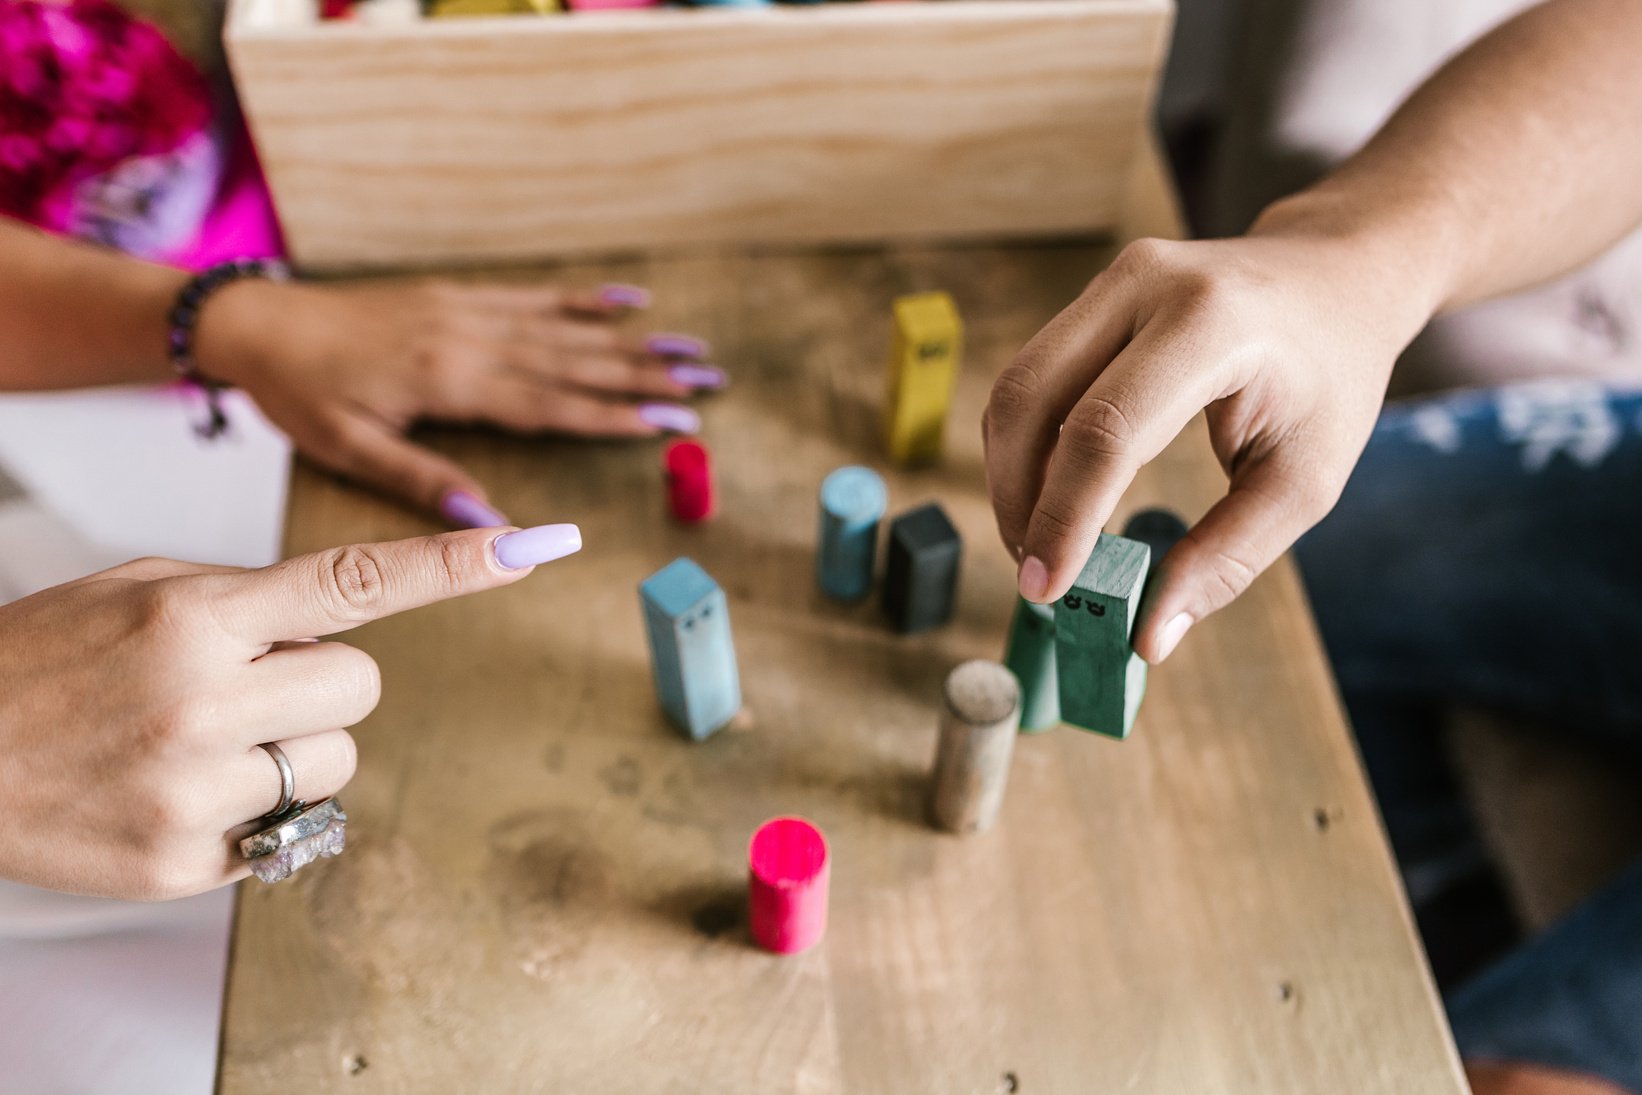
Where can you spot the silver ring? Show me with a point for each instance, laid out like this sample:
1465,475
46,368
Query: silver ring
287,779
296,839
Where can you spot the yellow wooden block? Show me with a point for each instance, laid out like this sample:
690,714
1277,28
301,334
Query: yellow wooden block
463,8
923,365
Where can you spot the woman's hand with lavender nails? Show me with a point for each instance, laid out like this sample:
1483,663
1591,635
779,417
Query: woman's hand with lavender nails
350,369
133,703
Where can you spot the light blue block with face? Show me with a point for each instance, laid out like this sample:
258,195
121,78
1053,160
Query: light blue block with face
691,652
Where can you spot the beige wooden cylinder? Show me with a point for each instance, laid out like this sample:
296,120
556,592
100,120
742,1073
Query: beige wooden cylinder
979,723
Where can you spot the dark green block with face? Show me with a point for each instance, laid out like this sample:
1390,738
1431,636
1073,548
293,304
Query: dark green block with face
1101,677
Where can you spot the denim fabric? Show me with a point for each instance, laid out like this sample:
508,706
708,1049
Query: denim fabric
1488,551
1570,999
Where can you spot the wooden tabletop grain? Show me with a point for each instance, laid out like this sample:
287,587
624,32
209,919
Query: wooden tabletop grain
544,885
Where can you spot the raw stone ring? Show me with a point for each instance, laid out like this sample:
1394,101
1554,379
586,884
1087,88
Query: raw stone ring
296,838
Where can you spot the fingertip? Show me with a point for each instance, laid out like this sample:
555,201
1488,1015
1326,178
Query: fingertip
623,296
1033,579
697,377
465,509
525,548
676,346
1172,633
669,417
1161,641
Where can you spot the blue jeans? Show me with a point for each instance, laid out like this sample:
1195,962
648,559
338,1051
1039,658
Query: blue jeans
1488,552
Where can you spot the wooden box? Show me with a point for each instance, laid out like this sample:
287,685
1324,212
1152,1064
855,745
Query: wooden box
522,137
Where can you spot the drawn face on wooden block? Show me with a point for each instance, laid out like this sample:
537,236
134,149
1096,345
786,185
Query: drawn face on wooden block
697,615
1075,602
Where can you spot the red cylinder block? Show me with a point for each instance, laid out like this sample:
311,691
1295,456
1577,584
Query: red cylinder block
787,872
689,481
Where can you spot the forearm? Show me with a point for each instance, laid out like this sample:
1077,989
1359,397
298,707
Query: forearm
73,315
1515,163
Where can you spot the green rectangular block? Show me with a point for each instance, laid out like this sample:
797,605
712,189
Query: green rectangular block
1101,677
1030,655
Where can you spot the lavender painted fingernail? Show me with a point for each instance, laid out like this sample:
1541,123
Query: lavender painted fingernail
464,510
669,416
542,544
677,346
625,296
697,376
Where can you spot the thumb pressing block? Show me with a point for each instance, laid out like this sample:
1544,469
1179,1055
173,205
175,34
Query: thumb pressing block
979,722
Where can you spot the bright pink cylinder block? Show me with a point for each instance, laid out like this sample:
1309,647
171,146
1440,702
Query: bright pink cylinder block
689,481
787,871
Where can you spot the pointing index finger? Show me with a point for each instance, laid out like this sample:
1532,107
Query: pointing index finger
1038,390
343,587
1129,415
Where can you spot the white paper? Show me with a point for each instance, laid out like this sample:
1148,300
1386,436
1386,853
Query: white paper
97,995
125,469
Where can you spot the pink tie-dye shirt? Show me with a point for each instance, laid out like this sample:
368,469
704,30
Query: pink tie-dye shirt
107,133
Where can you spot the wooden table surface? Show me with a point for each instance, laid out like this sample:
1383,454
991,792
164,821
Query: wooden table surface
544,885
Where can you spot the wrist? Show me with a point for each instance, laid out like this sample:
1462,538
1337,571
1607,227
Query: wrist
138,305
232,341
1399,262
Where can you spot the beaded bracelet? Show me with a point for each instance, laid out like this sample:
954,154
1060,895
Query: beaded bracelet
184,316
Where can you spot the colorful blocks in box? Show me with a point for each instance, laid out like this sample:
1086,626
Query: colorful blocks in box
921,571
444,9
852,504
1101,677
692,654
1030,655
923,366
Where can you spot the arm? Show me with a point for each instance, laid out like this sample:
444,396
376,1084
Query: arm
1515,163
53,336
